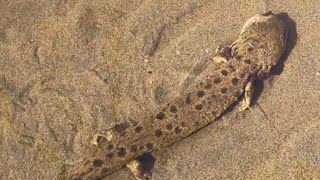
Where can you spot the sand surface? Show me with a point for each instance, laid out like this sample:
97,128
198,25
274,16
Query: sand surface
69,69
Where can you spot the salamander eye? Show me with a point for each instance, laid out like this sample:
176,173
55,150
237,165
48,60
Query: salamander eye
225,52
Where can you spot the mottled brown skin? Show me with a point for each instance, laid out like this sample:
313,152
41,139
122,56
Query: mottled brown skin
253,54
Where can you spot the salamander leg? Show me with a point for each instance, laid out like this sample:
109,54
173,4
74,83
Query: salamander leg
248,92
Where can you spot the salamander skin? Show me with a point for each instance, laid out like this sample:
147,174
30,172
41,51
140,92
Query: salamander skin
256,50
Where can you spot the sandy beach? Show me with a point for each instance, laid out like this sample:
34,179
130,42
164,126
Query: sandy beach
70,69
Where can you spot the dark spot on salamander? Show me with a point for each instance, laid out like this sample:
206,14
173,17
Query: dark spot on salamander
169,126
158,132
232,69
121,151
224,72
247,61
133,148
119,128
100,139
97,163
138,129
234,81
188,99
109,155
149,146
224,90
200,93
183,124
178,130
110,146
239,57
208,86
173,109
217,80
225,52
160,115
199,107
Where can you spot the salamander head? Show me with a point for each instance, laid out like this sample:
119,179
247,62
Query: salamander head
261,42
